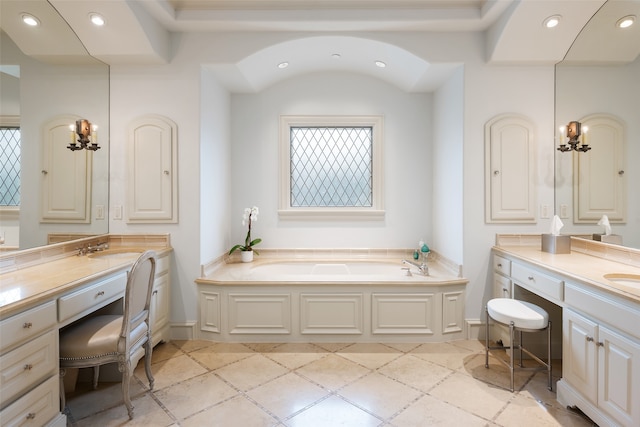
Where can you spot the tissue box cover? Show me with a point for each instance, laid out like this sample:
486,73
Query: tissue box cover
616,239
556,244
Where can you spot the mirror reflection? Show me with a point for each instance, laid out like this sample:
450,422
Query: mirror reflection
598,85
60,193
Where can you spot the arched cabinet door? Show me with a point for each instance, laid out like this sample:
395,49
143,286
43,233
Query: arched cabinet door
599,179
66,175
510,192
152,182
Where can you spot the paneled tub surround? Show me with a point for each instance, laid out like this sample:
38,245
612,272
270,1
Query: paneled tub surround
327,296
600,317
44,289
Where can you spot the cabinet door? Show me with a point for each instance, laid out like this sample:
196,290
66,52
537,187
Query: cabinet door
152,164
160,304
579,359
619,377
66,176
510,170
598,175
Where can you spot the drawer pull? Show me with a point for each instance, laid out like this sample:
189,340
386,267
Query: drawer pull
28,367
31,415
27,325
590,339
154,292
530,277
600,344
99,294
500,265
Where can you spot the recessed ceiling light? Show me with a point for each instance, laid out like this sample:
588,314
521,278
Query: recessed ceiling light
97,19
30,20
626,22
380,64
552,21
283,65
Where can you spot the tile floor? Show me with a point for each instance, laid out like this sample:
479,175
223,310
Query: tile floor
200,383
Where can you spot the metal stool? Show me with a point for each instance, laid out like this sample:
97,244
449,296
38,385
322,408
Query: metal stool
520,316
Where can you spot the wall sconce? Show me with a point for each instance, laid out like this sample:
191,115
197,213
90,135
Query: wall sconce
88,140
574,131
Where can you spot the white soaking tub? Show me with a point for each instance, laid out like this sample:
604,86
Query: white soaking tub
279,300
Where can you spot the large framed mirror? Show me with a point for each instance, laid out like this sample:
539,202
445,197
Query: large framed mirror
598,82
47,76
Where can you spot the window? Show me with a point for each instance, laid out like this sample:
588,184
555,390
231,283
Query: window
331,167
9,166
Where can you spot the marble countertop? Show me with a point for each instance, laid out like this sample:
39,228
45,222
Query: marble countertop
579,267
27,287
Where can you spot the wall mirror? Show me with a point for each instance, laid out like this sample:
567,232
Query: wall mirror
600,77
41,83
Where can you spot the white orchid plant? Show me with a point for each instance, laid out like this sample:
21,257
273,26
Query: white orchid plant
249,215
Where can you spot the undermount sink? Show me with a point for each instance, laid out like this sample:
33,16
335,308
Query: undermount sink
625,279
117,253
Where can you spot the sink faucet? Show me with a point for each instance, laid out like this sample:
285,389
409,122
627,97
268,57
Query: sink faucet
422,267
98,247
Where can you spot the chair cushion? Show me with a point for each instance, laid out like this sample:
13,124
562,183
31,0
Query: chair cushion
523,314
91,337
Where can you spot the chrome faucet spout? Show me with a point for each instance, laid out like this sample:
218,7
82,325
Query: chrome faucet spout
422,267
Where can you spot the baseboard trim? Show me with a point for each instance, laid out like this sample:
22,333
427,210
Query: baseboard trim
183,331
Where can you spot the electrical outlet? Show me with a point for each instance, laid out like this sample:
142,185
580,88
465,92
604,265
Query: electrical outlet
99,211
117,212
564,211
544,211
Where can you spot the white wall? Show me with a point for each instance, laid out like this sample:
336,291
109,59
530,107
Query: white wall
407,161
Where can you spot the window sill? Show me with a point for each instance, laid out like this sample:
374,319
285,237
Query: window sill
329,214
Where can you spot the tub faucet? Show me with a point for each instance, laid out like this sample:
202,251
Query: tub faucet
422,267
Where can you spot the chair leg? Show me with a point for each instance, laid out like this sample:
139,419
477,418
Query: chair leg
126,380
63,398
486,339
148,351
511,362
96,375
550,379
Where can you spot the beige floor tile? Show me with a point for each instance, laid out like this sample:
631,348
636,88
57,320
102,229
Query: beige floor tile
415,372
497,373
402,347
429,411
370,355
191,345
443,354
165,351
476,346
262,347
332,371
170,371
287,395
146,413
379,395
295,355
536,389
332,347
538,414
85,401
221,354
251,372
195,394
235,412
333,411
471,395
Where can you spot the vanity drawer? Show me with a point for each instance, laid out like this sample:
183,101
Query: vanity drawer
27,365
35,408
92,297
162,265
27,324
537,282
501,265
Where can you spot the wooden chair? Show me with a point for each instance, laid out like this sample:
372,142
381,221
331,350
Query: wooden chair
102,339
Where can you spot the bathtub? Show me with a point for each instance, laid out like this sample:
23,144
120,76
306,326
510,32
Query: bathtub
274,300
332,273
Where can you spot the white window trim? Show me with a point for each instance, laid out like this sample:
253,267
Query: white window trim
9,213
375,212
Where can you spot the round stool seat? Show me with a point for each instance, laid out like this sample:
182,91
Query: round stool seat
524,315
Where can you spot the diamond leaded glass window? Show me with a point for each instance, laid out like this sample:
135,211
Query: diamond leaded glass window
331,167
9,166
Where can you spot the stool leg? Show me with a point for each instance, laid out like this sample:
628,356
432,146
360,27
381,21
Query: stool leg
550,380
511,336
520,347
486,339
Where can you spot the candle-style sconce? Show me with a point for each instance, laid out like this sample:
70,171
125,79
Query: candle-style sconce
574,131
87,136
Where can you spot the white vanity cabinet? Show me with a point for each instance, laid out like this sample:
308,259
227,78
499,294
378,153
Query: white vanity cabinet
601,359
501,277
160,301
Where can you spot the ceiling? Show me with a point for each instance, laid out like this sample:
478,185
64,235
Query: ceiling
141,31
